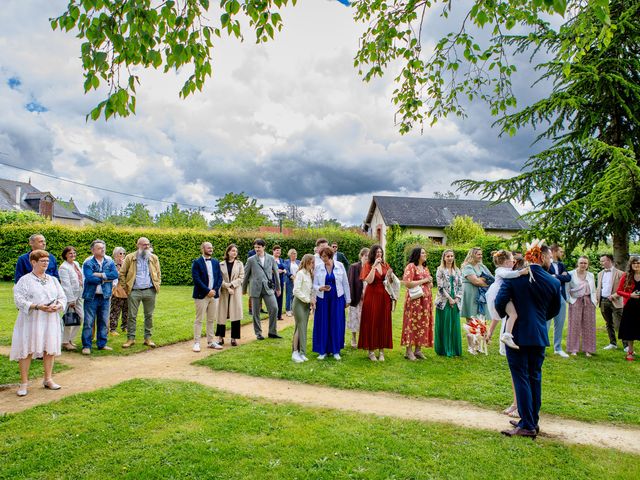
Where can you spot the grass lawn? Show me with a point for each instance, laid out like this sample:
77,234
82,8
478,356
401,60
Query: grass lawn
182,430
172,322
602,388
10,373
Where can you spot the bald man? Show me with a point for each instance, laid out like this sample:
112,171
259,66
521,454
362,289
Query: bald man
23,266
140,277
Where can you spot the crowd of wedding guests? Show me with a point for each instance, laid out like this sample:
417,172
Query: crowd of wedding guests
101,298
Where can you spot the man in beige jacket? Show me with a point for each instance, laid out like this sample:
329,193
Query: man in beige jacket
610,303
140,277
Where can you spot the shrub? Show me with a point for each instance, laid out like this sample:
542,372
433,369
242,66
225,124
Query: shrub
462,230
176,248
20,218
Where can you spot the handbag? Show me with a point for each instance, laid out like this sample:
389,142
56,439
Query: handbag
416,292
70,318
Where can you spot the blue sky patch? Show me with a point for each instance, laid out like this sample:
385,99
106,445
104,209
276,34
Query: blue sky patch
14,83
34,106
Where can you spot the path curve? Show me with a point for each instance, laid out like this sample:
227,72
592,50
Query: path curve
174,362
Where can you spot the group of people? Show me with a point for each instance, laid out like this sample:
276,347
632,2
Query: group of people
92,297
522,297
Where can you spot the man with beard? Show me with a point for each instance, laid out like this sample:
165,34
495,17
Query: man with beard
140,277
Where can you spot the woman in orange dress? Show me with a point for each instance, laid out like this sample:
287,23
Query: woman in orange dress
375,320
417,322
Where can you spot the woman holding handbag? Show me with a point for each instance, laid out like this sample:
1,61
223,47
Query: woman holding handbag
72,282
417,322
448,341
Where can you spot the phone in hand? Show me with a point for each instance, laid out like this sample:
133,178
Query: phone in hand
327,288
51,302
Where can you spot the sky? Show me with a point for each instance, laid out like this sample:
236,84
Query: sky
289,121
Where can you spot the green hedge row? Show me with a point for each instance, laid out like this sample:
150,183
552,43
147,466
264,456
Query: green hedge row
176,248
399,246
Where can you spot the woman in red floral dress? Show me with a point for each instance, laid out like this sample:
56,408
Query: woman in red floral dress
417,322
375,320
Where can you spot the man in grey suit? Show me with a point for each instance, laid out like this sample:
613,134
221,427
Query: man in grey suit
263,282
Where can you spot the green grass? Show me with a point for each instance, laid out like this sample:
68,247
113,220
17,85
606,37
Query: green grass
602,388
172,322
167,429
10,373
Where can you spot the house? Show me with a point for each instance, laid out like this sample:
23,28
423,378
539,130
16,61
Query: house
429,216
21,196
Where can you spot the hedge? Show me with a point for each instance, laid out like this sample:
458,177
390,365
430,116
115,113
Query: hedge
399,246
176,248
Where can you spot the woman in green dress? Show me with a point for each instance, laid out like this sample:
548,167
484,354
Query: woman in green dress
472,269
448,341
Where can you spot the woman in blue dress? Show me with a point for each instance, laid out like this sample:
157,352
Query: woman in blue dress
331,285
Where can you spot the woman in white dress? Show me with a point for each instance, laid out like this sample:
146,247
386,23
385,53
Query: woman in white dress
72,283
37,332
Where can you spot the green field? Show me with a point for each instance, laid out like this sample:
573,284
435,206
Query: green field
602,388
151,429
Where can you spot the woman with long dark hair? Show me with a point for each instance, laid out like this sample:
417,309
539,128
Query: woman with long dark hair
375,320
230,301
629,290
417,321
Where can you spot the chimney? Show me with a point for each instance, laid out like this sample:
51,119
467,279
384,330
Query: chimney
18,197
46,206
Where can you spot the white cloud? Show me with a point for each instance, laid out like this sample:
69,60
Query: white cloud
287,121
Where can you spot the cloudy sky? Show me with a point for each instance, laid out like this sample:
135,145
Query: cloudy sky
286,122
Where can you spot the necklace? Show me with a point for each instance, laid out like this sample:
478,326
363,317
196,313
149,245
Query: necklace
41,281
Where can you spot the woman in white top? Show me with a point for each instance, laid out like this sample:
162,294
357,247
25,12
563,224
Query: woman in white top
72,282
332,297
304,300
37,333
582,309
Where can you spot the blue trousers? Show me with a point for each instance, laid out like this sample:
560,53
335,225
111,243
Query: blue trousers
96,310
289,293
526,371
558,325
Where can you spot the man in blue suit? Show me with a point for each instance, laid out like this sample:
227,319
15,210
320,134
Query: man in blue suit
23,266
99,273
559,271
207,280
536,298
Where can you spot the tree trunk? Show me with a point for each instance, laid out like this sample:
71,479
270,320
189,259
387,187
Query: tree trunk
620,237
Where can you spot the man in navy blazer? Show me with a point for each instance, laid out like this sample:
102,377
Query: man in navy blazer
23,266
207,280
559,271
536,298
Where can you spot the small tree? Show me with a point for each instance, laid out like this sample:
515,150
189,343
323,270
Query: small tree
20,218
240,211
462,229
173,216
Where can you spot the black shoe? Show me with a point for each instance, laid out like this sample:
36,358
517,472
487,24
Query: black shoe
262,310
259,337
221,342
274,335
515,424
234,343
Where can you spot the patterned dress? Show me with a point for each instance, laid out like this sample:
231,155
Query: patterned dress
417,322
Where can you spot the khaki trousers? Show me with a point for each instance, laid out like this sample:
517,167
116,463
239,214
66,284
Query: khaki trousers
206,307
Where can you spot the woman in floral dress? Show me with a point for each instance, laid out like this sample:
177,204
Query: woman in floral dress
417,323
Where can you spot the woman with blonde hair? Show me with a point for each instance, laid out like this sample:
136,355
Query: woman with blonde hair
448,341
582,309
119,307
472,272
304,301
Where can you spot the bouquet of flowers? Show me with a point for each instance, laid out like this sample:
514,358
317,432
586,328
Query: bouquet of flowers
477,328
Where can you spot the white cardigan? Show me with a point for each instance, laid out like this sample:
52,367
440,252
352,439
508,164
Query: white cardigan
342,282
69,281
573,284
303,286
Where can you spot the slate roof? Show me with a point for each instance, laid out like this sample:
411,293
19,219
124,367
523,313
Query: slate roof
438,212
28,191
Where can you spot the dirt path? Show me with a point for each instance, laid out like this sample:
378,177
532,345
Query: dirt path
173,362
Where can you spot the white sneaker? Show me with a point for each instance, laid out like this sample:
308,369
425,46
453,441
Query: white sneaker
611,346
626,349
304,358
196,347
215,346
507,339
337,356
472,351
321,357
295,356
562,353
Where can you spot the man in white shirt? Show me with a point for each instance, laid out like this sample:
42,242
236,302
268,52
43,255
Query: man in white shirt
610,303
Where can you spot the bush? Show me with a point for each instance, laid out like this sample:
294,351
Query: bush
462,230
20,218
176,248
